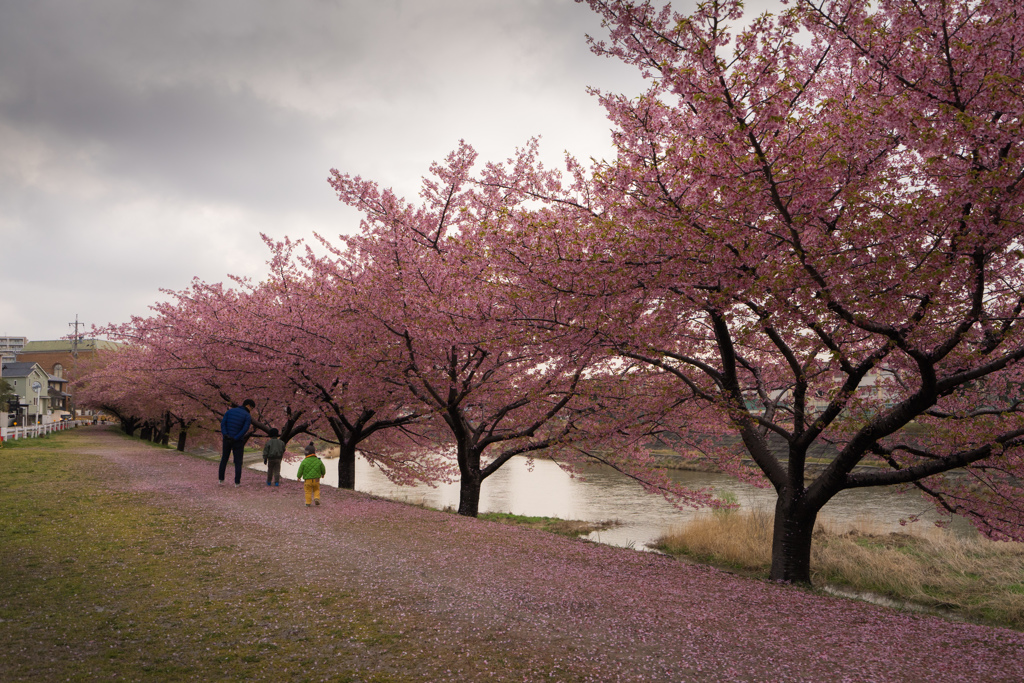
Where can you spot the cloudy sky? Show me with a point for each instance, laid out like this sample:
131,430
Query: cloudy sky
147,142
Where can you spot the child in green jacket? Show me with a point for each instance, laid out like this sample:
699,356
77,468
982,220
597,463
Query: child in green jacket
310,470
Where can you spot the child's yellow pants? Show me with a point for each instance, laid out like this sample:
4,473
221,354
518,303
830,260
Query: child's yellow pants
312,488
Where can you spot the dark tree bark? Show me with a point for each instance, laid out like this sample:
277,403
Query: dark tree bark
129,424
791,541
469,494
347,466
349,435
470,477
165,432
184,425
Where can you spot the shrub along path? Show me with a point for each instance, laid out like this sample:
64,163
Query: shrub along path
121,560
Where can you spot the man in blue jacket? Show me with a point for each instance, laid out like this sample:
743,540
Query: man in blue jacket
234,429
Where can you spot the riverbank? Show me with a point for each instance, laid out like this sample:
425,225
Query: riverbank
929,569
119,558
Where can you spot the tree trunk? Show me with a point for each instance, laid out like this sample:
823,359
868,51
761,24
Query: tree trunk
182,435
347,442
791,541
146,433
129,425
347,465
469,480
165,432
469,495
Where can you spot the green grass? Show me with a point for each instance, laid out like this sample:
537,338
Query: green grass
565,527
98,584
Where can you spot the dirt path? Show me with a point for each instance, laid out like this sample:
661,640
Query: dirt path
597,612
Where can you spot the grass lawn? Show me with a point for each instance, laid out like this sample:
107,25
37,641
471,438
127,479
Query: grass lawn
573,528
99,584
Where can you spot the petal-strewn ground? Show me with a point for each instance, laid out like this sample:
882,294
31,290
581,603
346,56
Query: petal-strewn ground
470,600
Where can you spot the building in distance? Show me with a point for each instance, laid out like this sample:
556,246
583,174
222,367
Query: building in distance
61,358
10,347
32,385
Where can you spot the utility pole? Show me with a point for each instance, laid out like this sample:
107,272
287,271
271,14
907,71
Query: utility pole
74,362
74,338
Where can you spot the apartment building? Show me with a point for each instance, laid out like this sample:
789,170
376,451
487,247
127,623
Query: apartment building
10,347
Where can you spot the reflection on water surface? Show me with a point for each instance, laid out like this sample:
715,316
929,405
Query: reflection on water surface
600,494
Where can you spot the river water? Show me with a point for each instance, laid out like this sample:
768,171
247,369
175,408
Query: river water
601,494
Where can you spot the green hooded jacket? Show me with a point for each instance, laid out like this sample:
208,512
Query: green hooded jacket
311,467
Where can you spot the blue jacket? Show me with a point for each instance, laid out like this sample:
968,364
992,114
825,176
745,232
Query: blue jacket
235,423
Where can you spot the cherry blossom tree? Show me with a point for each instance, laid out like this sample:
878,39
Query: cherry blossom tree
332,354
107,383
199,351
812,229
122,384
498,388
292,342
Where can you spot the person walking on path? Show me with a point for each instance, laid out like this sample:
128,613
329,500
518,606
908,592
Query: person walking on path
273,452
310,470
234,429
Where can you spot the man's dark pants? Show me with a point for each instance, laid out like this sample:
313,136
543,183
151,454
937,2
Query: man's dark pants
236,447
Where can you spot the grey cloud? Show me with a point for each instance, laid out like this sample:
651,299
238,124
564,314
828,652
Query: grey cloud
182,140
143,142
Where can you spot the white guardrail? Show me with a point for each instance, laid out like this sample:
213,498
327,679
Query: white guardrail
31,431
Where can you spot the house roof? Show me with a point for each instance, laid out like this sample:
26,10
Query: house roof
64,345
18,369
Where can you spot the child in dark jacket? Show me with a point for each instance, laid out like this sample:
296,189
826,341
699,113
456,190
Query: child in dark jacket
311,469
273,453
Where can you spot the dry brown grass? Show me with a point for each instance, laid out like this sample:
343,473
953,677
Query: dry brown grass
740,540
975,578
